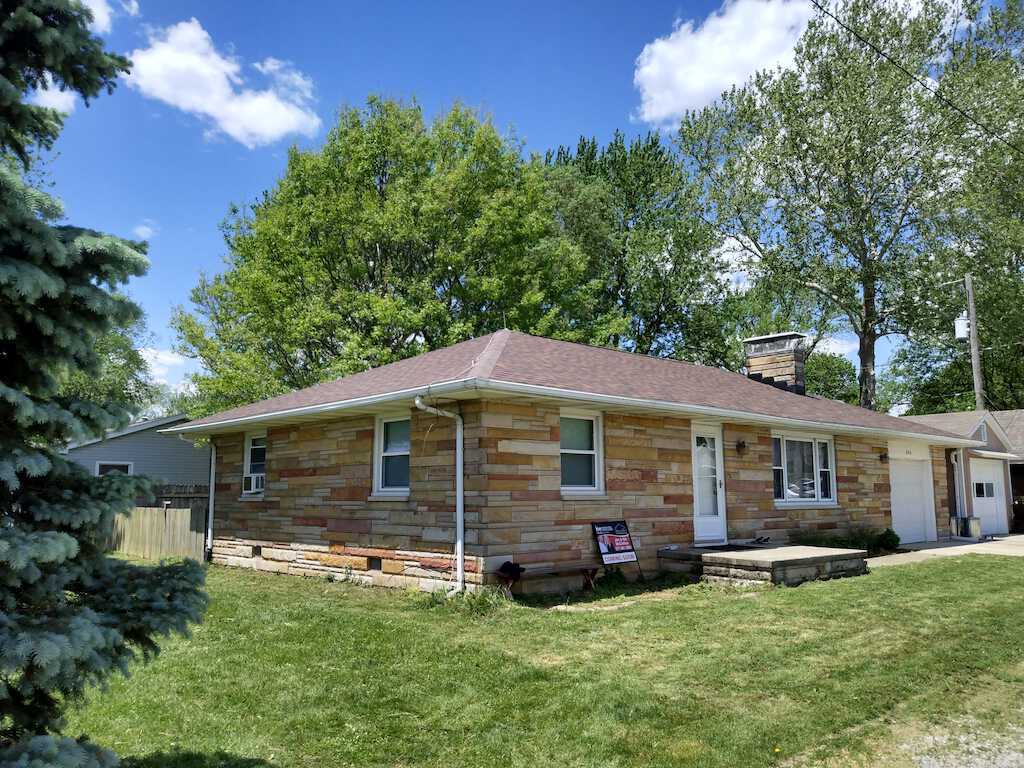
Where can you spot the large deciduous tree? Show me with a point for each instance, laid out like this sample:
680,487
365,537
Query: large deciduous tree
836,171
69,615
396,237
984,236
658,279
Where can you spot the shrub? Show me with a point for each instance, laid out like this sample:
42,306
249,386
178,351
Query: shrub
875,542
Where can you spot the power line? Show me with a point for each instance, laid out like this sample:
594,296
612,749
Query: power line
917,79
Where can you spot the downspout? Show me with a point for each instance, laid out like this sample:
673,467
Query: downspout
460,512
209,505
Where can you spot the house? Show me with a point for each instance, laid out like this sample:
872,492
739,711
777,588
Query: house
142,449
508,447
978,478
1012,423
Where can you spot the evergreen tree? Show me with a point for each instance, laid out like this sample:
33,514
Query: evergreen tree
69,615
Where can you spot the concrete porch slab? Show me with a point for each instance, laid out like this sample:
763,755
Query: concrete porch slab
794,555
789,565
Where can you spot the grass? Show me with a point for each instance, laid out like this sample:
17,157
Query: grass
295,672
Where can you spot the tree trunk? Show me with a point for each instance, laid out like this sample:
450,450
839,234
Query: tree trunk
867,337
866,378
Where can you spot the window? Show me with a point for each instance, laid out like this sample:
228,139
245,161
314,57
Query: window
391,465
106,467
580,452
802,469
983,432
255,468
984,490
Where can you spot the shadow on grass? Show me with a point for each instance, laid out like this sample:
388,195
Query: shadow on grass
195,760
610,586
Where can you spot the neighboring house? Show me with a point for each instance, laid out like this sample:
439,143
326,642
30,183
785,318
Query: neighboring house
979,478
141,449
1013,424
366,476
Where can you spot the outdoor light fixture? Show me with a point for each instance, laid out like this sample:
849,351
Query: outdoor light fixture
883,457
741,447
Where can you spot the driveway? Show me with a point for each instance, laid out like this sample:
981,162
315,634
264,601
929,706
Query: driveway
1004,545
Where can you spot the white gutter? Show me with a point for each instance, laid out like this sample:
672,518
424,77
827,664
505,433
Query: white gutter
460,385
209,506
460,510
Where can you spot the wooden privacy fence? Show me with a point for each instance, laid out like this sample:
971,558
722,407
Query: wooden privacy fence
176,529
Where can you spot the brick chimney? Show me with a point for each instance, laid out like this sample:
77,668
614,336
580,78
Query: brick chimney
777,359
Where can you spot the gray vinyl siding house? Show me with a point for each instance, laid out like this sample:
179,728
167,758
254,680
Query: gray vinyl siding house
140,449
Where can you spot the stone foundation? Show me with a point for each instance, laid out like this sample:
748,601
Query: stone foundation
425,571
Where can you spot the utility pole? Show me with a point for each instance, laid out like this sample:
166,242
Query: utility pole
972,317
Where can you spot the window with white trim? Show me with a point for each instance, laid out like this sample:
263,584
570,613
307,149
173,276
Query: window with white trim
254,472
391,456
580,452
803,469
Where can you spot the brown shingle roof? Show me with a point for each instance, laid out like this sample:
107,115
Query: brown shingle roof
963,423
1012,423
513,358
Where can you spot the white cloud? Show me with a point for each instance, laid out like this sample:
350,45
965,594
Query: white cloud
182,68
54,98
145,229
167,366
131,7
693,65
102,16
838,346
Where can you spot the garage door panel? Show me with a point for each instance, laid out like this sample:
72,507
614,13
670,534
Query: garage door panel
988,496
913,510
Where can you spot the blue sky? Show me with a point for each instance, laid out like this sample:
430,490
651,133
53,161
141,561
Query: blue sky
219,93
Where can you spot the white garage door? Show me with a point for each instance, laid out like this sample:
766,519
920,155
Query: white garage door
913,500
989,495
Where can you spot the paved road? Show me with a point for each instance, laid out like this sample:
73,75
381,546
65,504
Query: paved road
1005,545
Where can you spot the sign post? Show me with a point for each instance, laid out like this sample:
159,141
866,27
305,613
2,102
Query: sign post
614,543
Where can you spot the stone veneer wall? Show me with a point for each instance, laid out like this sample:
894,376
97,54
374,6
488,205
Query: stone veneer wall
317,515
862,481
940,478
524,516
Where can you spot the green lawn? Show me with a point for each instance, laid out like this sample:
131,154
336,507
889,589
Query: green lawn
295,672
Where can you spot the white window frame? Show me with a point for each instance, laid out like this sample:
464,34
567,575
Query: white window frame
815,440
596,418
378,456
130,464
249,437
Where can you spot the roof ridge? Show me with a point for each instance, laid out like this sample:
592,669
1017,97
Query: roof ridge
645,355
484,364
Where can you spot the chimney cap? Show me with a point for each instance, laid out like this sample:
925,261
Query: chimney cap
775,337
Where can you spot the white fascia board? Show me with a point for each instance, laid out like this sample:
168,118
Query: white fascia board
1001,455
443,387
509,387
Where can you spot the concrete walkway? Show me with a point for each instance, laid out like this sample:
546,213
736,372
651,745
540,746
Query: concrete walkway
1004,545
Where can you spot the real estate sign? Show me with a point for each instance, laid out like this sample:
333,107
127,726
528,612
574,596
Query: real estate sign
614,542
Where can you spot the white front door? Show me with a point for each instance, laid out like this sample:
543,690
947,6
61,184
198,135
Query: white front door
913,506
708,486
989,495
